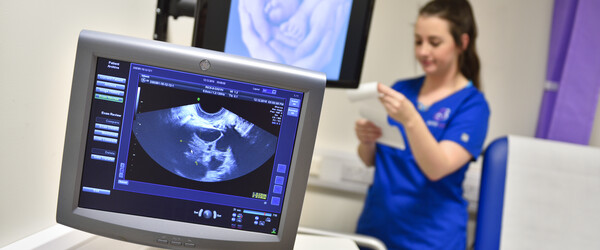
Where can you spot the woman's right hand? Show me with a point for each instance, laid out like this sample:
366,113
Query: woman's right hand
367,132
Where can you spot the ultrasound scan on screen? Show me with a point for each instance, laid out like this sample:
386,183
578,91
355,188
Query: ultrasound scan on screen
202,146
206,142
306,34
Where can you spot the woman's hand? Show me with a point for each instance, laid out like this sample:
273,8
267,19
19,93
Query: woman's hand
397,105
367,132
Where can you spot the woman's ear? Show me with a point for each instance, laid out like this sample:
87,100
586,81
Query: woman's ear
464,38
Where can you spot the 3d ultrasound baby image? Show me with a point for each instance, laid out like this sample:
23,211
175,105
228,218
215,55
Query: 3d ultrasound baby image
308,34
202,146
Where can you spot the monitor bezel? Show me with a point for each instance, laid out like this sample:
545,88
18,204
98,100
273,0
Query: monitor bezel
146,230
210,30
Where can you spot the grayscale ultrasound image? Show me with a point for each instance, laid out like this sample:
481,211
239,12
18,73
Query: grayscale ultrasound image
202,146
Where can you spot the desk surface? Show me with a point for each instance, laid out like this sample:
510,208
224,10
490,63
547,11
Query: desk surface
63,237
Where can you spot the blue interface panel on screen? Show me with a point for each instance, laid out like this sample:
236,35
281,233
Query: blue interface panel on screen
181,147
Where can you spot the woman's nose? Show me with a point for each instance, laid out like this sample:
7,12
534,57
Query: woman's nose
423,49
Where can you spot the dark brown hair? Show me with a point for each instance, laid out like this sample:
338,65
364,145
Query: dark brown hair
460,16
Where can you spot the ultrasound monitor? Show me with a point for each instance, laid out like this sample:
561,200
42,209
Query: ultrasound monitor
181,147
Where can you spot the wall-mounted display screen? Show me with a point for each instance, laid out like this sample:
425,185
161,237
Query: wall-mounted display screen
328,36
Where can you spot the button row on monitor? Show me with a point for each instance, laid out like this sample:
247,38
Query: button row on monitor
176,243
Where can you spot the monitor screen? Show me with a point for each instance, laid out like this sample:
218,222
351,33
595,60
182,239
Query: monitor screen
326,36
176,146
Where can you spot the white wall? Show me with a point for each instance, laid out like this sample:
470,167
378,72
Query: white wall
37,46
37,52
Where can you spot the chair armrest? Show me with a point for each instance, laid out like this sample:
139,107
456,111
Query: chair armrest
360,240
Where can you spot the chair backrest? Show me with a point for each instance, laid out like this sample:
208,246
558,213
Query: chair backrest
539,194
491,195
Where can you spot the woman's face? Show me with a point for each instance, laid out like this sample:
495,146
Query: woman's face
434,46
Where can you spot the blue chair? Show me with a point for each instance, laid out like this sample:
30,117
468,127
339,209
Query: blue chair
538,194
491,195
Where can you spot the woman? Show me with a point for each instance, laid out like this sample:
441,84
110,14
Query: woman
416,200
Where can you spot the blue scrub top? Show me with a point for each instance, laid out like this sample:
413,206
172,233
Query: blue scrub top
403,208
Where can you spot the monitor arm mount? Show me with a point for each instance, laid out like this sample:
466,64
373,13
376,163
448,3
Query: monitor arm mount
174,8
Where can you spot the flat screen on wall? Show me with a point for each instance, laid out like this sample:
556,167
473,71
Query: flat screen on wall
328,36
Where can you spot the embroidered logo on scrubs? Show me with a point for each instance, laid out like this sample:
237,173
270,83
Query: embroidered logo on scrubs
442,115
439,118
464,137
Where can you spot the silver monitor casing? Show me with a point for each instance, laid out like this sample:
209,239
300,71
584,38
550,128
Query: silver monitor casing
145,230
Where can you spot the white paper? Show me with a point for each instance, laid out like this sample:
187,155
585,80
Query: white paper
366,99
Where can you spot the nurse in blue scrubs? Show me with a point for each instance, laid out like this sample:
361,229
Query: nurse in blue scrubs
416,200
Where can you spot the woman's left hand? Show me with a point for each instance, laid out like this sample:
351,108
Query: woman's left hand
397,105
